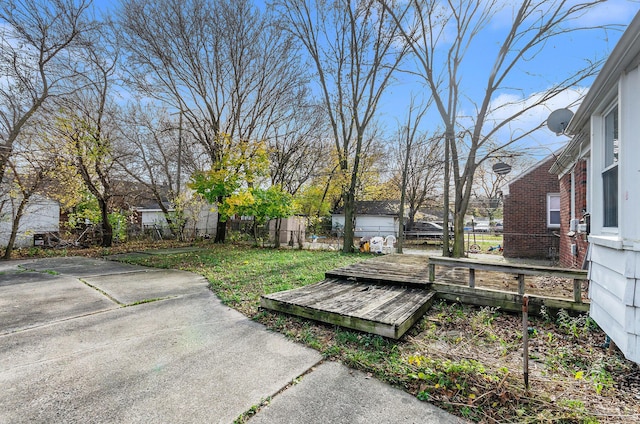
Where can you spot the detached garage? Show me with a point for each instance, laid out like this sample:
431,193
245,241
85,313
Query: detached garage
373,218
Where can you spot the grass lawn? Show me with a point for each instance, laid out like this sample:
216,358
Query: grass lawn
465,359
239,275
486,241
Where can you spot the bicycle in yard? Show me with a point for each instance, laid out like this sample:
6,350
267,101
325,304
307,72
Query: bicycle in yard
473,247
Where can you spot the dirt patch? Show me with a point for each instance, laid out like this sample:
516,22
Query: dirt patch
535,285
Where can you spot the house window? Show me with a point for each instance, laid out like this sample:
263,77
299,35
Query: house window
553,210
610,171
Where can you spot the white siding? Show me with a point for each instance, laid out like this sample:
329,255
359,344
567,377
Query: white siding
634,347
206,221
200,220
152,216
615,258
613,329
369,225
615,296
632,319
611,281
41,215
629,169
609,302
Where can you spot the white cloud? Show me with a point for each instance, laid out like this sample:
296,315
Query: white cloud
542,141
506,105
609,12
617,12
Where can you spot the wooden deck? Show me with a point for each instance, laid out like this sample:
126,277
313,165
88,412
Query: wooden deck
404,270
386,295
387,310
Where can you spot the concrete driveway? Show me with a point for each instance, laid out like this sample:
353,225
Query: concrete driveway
92,341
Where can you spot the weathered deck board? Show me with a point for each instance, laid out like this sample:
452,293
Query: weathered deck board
386,310
392,269
314,293
506,301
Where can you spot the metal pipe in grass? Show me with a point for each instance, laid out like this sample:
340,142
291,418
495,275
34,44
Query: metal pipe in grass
525,340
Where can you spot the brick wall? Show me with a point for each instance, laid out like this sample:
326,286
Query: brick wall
567,258
525,215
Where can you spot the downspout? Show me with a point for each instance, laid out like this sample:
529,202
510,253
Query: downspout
573,193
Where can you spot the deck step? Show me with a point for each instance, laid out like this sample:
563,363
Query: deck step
383,309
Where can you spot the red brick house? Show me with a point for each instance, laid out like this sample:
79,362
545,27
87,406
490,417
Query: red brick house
573,216
532,214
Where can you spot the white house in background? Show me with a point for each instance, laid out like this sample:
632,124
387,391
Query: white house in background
605,132
200,218
373,218
41,216
151,214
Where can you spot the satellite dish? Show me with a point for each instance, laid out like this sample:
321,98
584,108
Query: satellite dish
559,120
501,168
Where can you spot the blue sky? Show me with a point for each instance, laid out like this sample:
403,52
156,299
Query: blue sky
551,64
555,61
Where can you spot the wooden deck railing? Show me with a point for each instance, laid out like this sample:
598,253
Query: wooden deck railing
517,269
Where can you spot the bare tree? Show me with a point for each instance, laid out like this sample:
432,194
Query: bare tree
297,148
354,52
440,36
424,176
489,184
152,155
420,175
487,191
38,40
223,64
88,125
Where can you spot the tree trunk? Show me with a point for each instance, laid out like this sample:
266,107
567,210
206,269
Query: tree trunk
403,195
221,226
446,252
349,220
458,234
412,219
278,226
107,229
5,153
176,226
14,227
401,221
254,228
221,231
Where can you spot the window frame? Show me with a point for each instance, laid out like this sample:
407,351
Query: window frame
549,210
609,173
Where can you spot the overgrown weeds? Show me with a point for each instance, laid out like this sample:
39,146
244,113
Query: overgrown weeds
455,358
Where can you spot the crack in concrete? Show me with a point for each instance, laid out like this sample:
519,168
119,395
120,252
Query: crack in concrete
255,409
99,290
